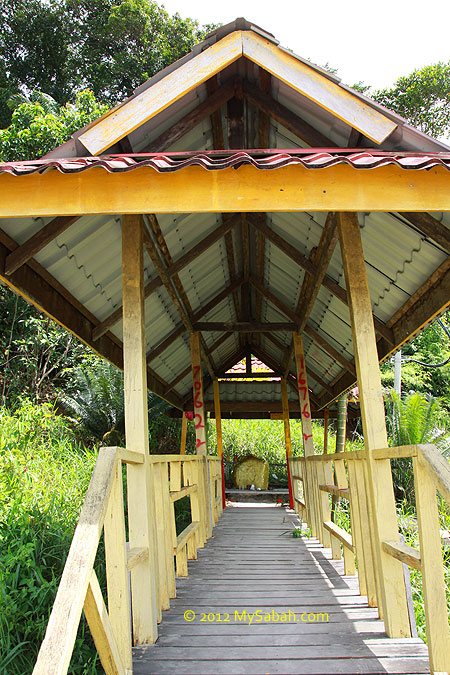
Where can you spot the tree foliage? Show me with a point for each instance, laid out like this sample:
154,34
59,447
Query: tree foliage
40,124
61,47
423,98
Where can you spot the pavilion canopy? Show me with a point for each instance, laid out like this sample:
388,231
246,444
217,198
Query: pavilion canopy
238,90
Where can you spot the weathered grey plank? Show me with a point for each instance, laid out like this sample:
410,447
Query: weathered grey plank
249,564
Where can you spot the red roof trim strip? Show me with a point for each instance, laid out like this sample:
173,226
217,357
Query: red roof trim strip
168,162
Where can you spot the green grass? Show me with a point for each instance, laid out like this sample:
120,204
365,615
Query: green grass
44,474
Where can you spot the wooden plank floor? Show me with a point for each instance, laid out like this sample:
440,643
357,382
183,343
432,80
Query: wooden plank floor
249,564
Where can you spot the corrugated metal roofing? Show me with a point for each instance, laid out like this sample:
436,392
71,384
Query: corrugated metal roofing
399,258
213,161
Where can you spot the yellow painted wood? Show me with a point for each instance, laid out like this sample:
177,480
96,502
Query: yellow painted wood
181,558
161,532
395,452
175,476
355,454
187,533
183,492
192,476
438,468
406,554
130,457
285,409
57,646
135,556
101,629
117,570
183,435
382,510
194,190
355,519
343,536
317,87
324,505
342,483
434,597
168,515
126,117
144,585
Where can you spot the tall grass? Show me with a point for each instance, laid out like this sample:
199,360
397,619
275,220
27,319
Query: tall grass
44,475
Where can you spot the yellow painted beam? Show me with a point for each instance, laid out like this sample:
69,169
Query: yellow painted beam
127,117
317,87
195,190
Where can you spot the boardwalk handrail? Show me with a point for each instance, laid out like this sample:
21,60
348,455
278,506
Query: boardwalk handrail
312,483
171,478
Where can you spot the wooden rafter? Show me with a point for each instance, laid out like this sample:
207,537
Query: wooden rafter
309,267
429,226
176,279
311,284
154,254
37,242
211,106
243,326
159,349
314,335
173,269
430,300
270,107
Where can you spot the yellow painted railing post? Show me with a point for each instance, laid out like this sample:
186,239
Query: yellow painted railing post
382,511
140,508
433,584
200,428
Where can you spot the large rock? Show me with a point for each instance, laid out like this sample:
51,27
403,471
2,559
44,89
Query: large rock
250,470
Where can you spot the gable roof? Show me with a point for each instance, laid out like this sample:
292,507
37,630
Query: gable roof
238,90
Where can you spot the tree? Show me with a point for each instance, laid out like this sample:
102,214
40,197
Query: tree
39,125
423,98
61,47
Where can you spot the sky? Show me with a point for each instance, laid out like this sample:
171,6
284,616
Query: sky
374,42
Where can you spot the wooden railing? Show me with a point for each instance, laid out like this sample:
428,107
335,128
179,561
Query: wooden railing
343,475
171,477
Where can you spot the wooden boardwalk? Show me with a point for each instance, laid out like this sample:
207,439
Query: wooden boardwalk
249,564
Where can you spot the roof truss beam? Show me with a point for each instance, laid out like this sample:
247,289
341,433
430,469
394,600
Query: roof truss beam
243,326
172,269
37,242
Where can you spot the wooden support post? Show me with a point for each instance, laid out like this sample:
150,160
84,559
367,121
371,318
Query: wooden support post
379,488
183,434
140,510
200,427
287,435
310,489
433,584
219,434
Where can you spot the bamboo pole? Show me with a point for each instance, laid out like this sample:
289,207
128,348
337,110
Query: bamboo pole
379,488
219,434
326,416
145,604
287,435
